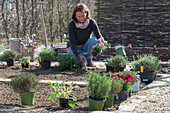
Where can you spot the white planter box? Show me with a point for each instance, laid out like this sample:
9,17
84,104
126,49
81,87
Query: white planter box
135,86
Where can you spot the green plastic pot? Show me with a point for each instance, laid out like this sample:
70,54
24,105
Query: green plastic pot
27,98
121,51
96,105
109,100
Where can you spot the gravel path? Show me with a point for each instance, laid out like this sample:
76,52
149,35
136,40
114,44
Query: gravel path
154,98
157,102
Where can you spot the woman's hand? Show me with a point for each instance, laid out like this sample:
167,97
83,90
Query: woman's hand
82,59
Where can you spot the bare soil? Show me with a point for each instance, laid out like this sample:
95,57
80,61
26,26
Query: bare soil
10,98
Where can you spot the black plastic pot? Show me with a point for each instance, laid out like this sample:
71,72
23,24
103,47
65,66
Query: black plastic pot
64,103
11,62
147,77
26,66
45,64
123,95
112,69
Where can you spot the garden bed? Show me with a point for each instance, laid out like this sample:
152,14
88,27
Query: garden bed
10,98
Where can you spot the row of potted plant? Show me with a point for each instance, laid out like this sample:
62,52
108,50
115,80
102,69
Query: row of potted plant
145,65
45,57
101,87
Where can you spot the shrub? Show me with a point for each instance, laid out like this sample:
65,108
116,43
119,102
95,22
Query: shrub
68,62
149,62
25,82
9,55
47,54
116,86
98,86
117,61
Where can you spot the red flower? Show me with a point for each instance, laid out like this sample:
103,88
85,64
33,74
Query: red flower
118,75
129,76
122,76
128,80
113,76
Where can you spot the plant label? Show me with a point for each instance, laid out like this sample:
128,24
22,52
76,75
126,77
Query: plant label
145,79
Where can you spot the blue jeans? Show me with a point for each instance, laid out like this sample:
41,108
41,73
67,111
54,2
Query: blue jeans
87,47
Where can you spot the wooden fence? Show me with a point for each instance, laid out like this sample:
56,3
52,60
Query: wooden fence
143,23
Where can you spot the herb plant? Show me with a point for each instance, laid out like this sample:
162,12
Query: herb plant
25,60
149,62
25,82
116,86
98,86
47,54
9,55
63,91
117,61
68,62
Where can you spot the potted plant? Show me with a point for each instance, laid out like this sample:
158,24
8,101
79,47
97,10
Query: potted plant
135,81
25,85
126,85
68,62
116,63
9,57
45,57
116,87
100,47
147,66
63,93
98,87
25,61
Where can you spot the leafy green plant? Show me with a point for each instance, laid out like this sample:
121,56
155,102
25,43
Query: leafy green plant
68,62
9,55
47,54
63,91
1,48
124,80
149,62
117,61
25,60
25,82
116,86
98,86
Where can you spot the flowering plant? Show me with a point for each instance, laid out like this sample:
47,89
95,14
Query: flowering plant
100,46
124,80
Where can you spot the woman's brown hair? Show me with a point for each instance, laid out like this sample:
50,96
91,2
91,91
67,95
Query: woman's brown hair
80,7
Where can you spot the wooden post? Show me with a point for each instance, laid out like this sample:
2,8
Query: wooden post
43,24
